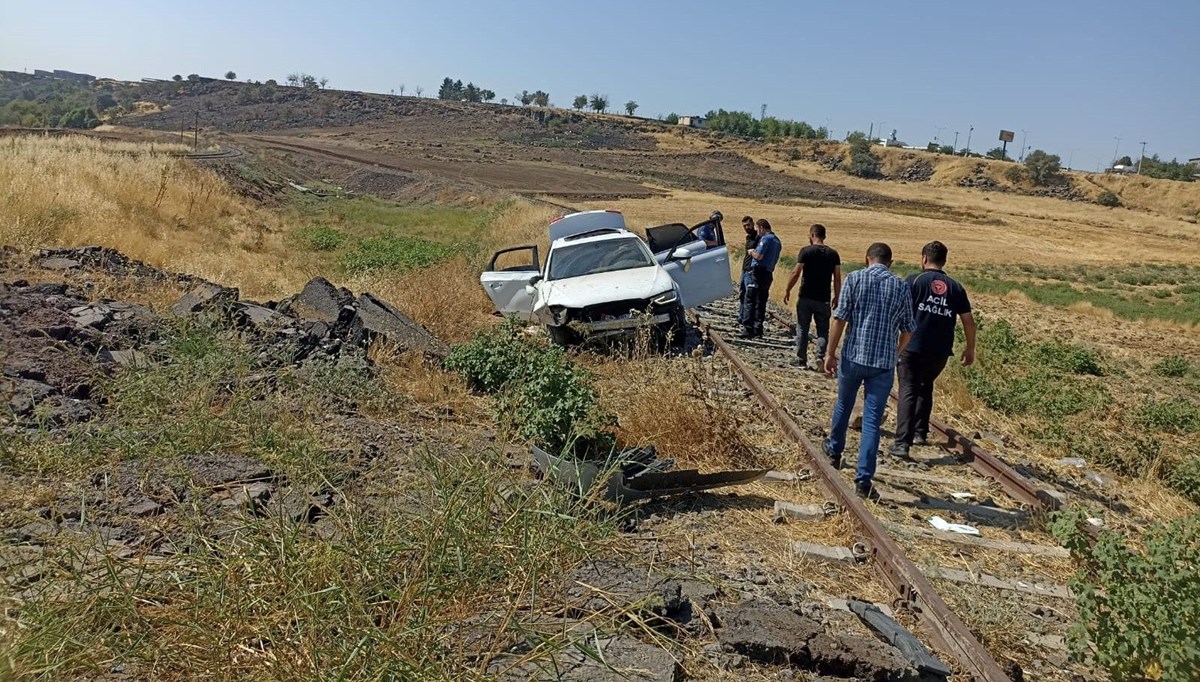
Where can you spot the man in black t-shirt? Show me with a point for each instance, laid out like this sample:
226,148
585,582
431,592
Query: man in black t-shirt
746,283
938,302
819,270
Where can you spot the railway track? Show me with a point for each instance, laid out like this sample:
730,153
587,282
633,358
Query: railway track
1011,559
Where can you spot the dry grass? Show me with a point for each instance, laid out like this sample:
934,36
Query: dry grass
145,202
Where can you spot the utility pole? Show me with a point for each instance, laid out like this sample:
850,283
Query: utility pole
955,141
938,134
871,134
196,137
1141,158
968,149
1024,134
1070,158
762,112
1116,152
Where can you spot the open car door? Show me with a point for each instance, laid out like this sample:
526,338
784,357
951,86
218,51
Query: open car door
506,278
702,273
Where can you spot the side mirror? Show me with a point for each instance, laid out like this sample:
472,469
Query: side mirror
682,253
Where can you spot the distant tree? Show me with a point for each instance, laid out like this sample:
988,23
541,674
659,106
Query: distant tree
402,89
671,118
418,90
105,100
580,102
176,78
598,102
863,163
271,83
293,79
998,154
309,82
946,149
193,77
1155,167
1123,161
230,76
471,93
630,107
541,98
504,101
487,95
525,98
79,118
323,82
1042,168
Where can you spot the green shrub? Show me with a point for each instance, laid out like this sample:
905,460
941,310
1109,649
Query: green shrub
1068,358
1172,366
863,163
1139,611
542,395
1173,415
1109,199
393,251
1184,477
1046,394
1015,174
1043,168
320,238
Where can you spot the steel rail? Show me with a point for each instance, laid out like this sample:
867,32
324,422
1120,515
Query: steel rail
947,631
985,463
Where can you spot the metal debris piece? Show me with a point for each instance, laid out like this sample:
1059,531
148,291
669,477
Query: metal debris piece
894,633
630,478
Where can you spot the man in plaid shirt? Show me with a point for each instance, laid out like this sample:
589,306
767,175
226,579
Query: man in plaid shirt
877,307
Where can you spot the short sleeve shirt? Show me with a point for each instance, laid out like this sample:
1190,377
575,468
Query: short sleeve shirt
769,246
937,302
707,232
816,279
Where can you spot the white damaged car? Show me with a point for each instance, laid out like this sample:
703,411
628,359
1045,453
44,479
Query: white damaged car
601,280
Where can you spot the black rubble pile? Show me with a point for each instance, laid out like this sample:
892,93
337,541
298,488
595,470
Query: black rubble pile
55,342
921,171
979,179
101,259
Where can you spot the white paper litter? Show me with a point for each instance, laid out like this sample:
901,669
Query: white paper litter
961,528
1095,521
963,496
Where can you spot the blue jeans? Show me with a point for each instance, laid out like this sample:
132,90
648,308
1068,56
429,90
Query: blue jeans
876,384
745,298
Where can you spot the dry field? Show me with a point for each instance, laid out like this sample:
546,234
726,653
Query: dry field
156,207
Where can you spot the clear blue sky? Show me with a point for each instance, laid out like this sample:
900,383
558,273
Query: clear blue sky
1074,74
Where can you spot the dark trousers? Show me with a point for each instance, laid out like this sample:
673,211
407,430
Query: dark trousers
745,286
917,373
809,311
760,294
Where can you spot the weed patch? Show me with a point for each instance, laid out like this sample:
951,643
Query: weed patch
543,395
1172,366
320,238
1139,611
391,252
1173,415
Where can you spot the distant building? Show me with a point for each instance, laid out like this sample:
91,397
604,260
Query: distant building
692,121
60,74
1195,160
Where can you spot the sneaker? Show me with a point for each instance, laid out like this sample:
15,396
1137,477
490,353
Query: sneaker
863,489
746,333
921,440
899,450
835,460
800,362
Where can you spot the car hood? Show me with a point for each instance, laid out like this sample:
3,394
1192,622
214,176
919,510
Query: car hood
577,292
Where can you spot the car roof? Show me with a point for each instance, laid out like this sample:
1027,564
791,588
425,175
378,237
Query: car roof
600,235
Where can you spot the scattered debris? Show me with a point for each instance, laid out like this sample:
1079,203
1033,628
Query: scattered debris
787,476
962,497
977,541
776,635
902,639
944,525
622,483
1076,462
598,658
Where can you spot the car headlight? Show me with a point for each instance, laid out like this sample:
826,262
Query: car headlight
669,298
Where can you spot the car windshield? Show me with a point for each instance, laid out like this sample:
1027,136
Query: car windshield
589,258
